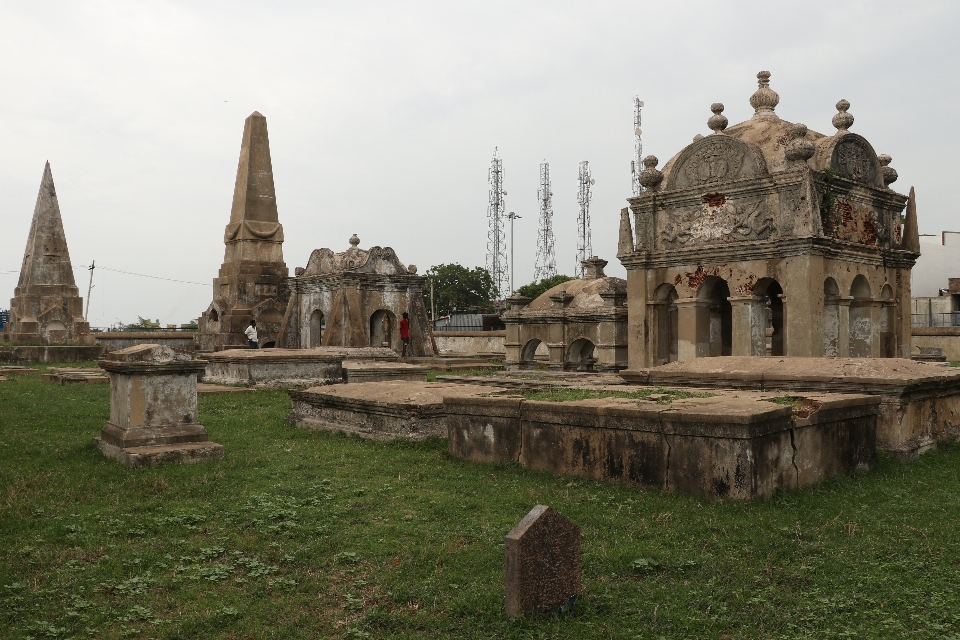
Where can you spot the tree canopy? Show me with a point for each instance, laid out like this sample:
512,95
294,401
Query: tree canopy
456,287
535,289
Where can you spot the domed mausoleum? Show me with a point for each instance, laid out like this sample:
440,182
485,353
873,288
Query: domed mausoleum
582,323
768,238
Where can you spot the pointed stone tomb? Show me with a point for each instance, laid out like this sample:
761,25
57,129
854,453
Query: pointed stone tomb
253,266
47,307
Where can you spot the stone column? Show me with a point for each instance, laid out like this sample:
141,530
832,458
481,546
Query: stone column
637,349
153,408
558,353
874,309
843,328
749,326
694,328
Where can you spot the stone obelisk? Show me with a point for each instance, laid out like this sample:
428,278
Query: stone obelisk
253,266
47,307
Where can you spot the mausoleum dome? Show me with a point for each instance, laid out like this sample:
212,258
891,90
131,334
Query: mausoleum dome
586,293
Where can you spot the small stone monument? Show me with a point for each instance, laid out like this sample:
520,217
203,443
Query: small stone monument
542,564
153,408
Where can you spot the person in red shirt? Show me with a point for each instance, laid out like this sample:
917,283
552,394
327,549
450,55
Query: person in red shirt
405,333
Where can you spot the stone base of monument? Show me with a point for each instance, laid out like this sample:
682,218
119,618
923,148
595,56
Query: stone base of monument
919,402
355,371
278,368
161,454
382,410
729,445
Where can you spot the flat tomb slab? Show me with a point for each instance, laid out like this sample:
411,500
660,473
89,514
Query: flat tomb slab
84,377
920,402
287,367
214,389
384,410
736,444
355,371
537,380
18,371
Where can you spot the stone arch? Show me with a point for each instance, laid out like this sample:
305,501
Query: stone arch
861,321
316,327
888,322
719,318
667,323
771,295
831,318
528,353
580,355
382,324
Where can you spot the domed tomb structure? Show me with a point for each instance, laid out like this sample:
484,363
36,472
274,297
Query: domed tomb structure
767,238
356,298
582,323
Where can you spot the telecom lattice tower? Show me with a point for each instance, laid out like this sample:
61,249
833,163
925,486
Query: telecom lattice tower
584,194
635,164
496,238
546,266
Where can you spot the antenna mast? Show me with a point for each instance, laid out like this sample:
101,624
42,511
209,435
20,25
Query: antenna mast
637,147
546,266
584,194
496,238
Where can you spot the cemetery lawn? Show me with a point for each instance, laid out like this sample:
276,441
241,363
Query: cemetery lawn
305,534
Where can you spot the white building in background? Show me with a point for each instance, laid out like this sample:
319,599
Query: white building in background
936,300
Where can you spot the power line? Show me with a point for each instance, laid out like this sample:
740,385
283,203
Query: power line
143,275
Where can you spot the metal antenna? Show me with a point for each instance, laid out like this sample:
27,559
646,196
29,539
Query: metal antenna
584,194
637,147
496,238
546,266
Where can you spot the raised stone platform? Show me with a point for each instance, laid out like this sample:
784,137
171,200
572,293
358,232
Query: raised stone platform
216,389
355,371
537,380
52,353
382,410
75,377
12,371
288,367
734,444
919,402
161,454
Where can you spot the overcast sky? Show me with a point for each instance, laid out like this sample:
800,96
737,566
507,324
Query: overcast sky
383,117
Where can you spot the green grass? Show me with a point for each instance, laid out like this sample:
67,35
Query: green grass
304,534
568,394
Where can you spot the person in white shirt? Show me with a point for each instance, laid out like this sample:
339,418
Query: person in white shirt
251,332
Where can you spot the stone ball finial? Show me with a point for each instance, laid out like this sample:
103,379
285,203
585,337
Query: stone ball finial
799,149
717,122
650,177
698,137
889,173
412,269
843,120
764,100
354,240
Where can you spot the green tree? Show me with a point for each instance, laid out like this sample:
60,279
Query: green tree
456,287
535,289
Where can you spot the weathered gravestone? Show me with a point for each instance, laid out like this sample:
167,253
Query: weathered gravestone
542,564
153,408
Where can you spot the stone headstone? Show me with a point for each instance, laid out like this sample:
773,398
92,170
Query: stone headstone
153,408
542,563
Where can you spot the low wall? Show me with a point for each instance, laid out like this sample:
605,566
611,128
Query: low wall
116,340
470,343
52,353
946,338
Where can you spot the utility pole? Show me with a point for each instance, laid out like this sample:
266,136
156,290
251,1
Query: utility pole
635,168
93,265
512,216
433,311
546,265
584,195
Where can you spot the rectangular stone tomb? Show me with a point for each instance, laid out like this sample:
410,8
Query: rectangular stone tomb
18,371
288,367
383,410
734,444
153,408
355,371
919,402
74,375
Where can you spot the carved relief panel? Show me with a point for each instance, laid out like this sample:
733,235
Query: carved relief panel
716,221
853,158
714,159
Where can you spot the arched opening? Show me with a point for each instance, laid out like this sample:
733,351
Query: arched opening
831,318
716,291
529,353
381,328
580,355
214,316
316,328
771,296
888,335
667,323
861,325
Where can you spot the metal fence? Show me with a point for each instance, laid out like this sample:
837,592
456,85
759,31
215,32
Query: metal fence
4,318
931,319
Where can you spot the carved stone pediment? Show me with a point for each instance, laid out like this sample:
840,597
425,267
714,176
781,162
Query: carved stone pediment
854,158
379,260
717,158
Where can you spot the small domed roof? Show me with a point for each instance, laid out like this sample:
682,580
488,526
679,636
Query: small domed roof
585,292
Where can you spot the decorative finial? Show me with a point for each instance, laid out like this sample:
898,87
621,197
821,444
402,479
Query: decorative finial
843,120
650,177
698,137
717,122
354,240
889,173
799,149
764,100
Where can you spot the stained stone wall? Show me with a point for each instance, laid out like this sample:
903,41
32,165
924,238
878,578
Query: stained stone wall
767,238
